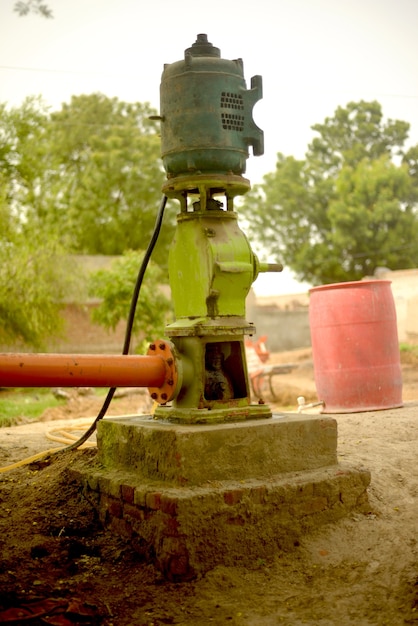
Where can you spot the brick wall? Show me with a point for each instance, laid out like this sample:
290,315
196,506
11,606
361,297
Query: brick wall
84,337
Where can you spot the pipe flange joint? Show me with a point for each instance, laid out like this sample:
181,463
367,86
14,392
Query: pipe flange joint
172,380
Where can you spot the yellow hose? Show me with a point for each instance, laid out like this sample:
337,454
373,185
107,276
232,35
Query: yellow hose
65,437
28,460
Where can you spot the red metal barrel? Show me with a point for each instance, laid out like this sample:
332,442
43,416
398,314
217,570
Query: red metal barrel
355,346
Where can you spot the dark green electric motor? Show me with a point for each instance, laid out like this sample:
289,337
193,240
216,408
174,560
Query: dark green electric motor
206,114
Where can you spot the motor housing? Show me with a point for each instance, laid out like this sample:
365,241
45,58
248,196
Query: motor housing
206,114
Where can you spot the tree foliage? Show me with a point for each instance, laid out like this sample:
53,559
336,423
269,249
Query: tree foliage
25,7
83,180
102,176
33,279
22,151
349,207
33,283
115,287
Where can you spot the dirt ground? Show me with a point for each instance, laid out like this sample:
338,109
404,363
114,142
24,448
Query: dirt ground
59,566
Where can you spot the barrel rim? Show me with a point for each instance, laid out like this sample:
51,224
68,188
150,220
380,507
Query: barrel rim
349,284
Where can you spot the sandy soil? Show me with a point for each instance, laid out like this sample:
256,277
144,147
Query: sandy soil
59,566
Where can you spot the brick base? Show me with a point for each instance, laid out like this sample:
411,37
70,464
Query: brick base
187,531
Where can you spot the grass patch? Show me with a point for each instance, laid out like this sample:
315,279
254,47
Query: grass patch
21,405
408,347
409,353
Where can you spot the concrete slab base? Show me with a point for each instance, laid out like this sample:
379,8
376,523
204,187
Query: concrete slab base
193,497
193,454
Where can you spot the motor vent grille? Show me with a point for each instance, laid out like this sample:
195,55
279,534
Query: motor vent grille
232,121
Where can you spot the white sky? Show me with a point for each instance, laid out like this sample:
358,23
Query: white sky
314,55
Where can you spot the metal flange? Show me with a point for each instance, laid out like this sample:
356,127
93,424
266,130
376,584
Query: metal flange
169,389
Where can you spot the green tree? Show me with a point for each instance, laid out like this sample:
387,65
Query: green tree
24,7
22,151
348,207
86,179
102,177
114,287
33,283
33,275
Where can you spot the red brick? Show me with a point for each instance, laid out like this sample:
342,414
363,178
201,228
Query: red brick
110,505
133,511
233,497
258,495
153,500
128,493
169,505
115,507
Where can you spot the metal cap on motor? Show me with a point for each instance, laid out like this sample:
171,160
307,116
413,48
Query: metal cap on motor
202,48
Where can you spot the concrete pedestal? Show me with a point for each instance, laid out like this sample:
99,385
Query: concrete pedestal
192,497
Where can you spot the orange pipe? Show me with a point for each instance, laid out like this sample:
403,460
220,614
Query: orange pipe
82,370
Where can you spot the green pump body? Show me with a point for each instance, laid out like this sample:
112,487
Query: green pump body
211,266
206,113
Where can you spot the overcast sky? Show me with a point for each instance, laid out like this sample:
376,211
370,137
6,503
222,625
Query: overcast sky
313,55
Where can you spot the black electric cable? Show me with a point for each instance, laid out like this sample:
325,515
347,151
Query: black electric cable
129,324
